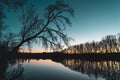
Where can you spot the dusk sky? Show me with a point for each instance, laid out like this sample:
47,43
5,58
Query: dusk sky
93,19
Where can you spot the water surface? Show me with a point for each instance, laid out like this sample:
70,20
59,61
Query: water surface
67,69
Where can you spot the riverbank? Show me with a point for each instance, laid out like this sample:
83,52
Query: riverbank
59,56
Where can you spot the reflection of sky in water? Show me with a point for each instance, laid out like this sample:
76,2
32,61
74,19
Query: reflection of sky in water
49,70
67,69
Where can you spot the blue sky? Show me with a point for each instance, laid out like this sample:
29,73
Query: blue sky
93,19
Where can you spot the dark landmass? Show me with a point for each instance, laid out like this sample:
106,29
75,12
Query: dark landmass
60,56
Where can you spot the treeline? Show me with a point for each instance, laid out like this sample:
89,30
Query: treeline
108,44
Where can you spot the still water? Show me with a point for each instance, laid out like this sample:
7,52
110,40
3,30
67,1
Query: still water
67,69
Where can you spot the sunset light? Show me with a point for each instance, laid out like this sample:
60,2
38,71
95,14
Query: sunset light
59,39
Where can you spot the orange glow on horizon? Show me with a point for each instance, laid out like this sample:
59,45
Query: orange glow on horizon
35,50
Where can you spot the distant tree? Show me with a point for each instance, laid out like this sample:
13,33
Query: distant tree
81,48
111,42
49,29
108,44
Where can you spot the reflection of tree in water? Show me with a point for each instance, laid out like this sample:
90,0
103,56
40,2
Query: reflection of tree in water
3,67
9,70
110,70
14,72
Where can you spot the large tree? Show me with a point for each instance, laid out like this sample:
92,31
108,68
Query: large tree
11,5
49,29
7,38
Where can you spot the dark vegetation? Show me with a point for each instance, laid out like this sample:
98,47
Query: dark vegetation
36,29
58,56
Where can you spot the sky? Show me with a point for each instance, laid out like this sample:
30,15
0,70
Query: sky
93,19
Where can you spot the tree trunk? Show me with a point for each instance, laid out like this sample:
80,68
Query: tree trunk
15,49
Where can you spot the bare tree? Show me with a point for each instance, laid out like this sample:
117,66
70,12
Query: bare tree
5,38
49,29
10,5
118,42
13,4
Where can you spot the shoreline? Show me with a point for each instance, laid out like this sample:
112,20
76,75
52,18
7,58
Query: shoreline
60,56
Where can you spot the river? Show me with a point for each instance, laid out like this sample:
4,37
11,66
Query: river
67,69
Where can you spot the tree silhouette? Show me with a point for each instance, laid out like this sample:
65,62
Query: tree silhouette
118,48
49,29
109,44
10,5
13,4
